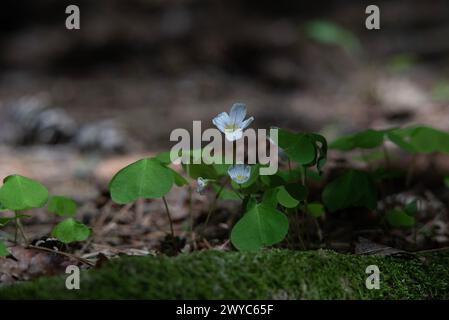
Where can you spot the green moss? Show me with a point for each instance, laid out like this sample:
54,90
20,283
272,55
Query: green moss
270,274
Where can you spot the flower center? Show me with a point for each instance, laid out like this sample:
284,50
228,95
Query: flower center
231,127
240,178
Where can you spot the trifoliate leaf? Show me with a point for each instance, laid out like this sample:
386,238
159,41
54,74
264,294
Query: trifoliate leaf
260,226
70,230
367,139
21,193
146,178
421,139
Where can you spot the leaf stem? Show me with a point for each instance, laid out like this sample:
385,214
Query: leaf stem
169,217
20,228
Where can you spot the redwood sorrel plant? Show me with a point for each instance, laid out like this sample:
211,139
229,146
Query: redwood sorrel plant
267,200
20,195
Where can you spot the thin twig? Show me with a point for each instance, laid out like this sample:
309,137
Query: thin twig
69,255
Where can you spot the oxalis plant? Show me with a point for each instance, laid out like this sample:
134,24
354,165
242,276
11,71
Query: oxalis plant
356,188
20,195
266,201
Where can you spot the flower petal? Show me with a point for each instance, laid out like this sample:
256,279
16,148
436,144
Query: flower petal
240,173
232,172
234,135
246,123
221,120
237,113
201,185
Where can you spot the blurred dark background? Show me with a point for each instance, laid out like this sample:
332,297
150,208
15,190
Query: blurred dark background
152,66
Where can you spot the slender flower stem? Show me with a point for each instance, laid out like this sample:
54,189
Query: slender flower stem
214,202
169,217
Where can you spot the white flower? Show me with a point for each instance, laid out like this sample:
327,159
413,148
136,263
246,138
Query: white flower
201,184
232,125
239,173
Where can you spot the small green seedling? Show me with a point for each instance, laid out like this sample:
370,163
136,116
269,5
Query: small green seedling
19,194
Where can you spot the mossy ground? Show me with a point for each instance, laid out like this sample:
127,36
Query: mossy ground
270,274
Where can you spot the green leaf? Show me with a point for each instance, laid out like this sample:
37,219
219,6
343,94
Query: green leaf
398,218
399,139
3,251
62,206
315,209
421,139
285,199
411,208
261,226
306,150
179,179
428,140
446,181
321,143
164,157
146,178
298,147
70,230
226,194
367,139
329,33
353,189
21,193
345,143
221,169
203,170
275,180
269,197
